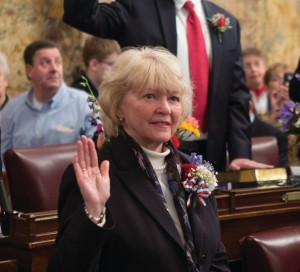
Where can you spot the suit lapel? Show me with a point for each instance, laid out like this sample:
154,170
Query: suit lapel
217,52
167,15
142,190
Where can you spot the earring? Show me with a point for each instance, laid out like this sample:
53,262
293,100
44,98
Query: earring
121,119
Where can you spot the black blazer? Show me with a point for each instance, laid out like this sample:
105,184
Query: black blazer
139,234
76,84
153,22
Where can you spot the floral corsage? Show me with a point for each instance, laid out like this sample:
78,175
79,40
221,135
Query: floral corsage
289,116
99,135
199,180
220,24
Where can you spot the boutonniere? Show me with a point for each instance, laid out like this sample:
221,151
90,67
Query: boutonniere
220,24
199,180
99,135
185,130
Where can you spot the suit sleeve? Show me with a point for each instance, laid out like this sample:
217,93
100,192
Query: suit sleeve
98,19
79,241
239,141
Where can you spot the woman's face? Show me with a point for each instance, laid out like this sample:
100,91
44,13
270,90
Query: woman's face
151,117
276,80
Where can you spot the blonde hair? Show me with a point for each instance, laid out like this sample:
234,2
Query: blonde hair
138,69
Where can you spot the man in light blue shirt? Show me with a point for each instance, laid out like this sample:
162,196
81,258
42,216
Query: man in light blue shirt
50,112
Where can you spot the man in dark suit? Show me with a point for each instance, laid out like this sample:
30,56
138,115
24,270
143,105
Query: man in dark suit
155,23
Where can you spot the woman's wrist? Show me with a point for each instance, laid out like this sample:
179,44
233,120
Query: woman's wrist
98,219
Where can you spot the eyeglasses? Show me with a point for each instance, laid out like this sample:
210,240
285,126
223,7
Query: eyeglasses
276,78
109,63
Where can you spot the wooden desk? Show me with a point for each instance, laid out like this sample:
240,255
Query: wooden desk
245,211
9,266
31,239
241,212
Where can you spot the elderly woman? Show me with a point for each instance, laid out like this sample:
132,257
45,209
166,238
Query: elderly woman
4,74
129,214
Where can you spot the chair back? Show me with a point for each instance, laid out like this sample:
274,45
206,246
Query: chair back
34,175
276,250
265,150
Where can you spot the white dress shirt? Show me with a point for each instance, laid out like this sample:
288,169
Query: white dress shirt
182,45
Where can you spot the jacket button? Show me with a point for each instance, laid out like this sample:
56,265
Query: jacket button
202,258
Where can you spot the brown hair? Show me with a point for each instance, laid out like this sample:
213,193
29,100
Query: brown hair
253,51
272,69
99,49
31,49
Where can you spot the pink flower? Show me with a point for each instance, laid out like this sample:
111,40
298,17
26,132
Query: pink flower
222,21
192,121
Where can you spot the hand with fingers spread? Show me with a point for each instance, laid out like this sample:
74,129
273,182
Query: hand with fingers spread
93,181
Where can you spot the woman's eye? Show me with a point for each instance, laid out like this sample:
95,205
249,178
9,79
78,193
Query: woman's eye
149,96
174,98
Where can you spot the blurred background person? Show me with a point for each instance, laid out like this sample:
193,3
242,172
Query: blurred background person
4,74
98,55
50,112
255,65
276,80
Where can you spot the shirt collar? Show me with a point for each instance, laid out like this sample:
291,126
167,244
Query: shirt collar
53,101
180,3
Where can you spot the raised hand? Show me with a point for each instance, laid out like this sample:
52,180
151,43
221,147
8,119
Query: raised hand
93,181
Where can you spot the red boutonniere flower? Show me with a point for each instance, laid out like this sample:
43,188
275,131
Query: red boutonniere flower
220,24
199,180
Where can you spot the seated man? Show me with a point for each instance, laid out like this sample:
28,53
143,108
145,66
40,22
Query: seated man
50,112
98,56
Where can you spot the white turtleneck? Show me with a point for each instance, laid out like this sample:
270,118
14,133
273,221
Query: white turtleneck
158,161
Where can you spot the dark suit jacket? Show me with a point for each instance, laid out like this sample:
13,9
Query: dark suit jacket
260,128
139,234
152,22
76,84
294,87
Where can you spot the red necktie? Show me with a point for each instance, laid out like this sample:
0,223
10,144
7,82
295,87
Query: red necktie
199,66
